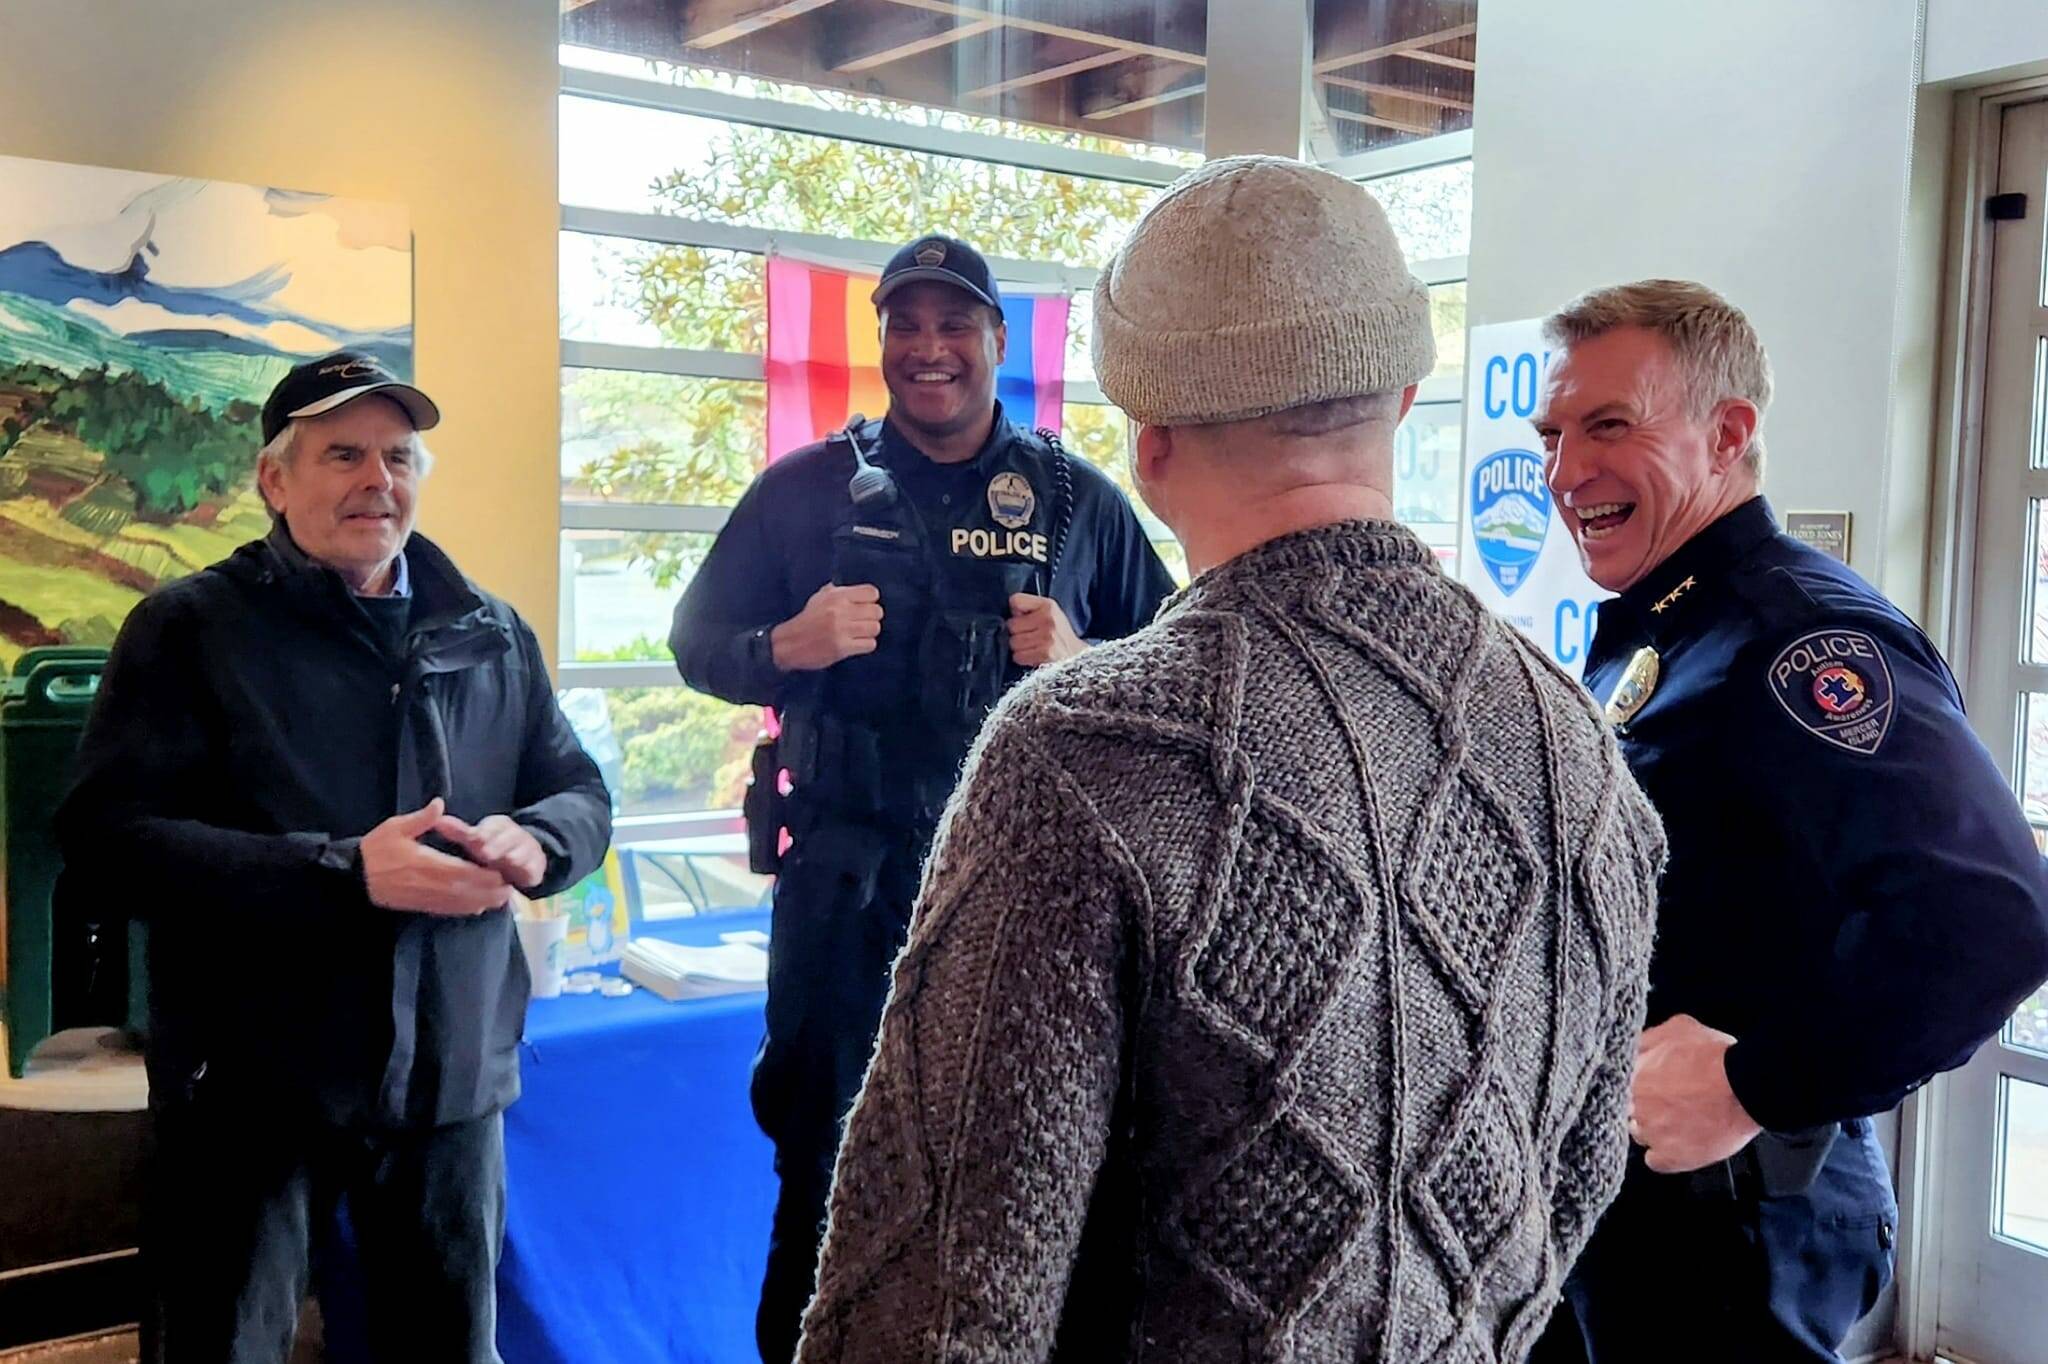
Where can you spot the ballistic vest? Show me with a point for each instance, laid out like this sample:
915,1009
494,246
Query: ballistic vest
903,717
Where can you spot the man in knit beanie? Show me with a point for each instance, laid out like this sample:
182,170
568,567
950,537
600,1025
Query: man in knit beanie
1274,989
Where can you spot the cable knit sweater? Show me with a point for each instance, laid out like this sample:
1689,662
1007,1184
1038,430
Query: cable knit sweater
1273,994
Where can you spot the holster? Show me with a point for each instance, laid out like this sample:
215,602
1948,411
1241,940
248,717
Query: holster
764,810
832,761
1775,1165
1788,1162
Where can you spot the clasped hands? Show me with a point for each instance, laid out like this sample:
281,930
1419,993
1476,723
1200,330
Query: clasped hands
403,872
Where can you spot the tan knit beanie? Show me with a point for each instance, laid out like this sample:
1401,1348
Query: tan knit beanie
1256,284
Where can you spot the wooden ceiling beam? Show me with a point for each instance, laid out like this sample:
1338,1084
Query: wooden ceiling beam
1416,54
714,25
1375,120
885,43
1025,80
1134,46
1115,108
1399,92
1403,47
1319,139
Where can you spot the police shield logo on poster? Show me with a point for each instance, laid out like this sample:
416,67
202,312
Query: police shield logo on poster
1837,685
1528,577
1510,514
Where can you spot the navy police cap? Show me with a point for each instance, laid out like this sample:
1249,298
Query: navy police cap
945,260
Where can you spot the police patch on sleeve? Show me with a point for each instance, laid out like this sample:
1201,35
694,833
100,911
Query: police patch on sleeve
1837,685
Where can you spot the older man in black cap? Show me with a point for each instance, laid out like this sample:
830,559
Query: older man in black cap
320,769
881,589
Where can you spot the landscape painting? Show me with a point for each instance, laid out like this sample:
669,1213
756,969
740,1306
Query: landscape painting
143,319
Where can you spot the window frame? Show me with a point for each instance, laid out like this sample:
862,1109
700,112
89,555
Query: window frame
669,230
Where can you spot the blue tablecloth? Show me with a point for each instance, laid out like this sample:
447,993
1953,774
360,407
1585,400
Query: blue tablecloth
639,1189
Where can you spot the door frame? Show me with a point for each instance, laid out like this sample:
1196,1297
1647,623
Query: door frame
1976,122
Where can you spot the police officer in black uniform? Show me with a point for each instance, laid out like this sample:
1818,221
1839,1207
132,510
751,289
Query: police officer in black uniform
882,589
1854,901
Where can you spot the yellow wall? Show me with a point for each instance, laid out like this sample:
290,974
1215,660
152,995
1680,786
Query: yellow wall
445,106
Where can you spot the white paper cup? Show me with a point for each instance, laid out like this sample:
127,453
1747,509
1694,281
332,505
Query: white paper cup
543,941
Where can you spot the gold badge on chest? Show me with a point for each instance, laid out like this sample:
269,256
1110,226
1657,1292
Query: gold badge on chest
1632,693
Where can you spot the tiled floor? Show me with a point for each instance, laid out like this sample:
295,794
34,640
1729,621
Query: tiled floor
113,1347
119,1348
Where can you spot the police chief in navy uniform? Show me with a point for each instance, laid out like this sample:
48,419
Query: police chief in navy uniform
1853,902
882,589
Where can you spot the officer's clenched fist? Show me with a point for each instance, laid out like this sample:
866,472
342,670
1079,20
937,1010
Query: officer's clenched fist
836,623
1040,632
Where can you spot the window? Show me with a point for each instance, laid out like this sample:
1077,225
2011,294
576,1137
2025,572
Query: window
1430,209
770,178
669,210
1390,75
676,182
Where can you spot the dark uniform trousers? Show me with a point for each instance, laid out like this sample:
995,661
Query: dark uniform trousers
236,1201
842,911
1680,1271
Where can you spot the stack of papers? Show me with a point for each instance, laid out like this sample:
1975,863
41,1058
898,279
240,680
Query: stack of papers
677,972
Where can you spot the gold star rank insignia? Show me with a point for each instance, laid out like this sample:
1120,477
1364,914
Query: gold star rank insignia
1670,598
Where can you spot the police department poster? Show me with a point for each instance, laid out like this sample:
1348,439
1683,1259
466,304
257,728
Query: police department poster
1513,549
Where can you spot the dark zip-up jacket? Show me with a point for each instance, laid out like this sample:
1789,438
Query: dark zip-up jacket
250,729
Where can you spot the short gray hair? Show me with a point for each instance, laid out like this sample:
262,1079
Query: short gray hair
284,447
1718,351
1332,415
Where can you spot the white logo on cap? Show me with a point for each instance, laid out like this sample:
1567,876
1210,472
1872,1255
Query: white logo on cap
350,369
933,254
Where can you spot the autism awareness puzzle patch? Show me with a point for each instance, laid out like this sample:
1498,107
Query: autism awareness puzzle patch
1837,685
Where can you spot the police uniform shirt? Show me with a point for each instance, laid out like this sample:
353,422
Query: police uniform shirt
1852,891
776,550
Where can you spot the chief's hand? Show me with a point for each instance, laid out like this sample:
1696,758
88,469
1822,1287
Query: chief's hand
1040,632
836,623
1682,1111
400,872
501,843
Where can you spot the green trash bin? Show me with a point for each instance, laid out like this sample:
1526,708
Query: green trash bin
42,716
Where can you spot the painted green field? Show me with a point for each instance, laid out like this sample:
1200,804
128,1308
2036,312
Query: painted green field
76,553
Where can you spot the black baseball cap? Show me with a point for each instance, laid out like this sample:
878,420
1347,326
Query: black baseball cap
944,259
325,384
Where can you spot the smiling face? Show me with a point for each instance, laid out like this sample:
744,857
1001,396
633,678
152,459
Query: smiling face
348,492
1635,471
940,350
